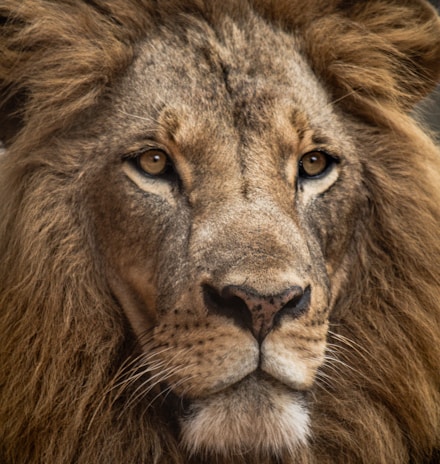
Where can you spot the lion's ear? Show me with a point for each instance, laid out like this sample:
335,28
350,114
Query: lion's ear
376,52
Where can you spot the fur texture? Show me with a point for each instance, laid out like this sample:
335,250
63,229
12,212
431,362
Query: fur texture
72,386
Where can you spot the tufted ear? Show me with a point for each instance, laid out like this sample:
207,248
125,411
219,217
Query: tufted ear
373,55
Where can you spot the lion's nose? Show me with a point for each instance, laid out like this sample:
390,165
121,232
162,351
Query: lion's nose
256,312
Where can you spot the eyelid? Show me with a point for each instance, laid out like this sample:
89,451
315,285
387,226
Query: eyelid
141,150
329,153
325,151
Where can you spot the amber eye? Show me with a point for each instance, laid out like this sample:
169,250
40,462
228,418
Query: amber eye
314,163
153,162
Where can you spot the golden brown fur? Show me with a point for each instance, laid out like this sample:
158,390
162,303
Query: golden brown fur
70,383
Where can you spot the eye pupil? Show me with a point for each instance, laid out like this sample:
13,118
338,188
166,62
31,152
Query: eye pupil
153,162
314,164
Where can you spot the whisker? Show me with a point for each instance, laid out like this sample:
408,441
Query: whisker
148,385
166,392
325,386
348,341
137,394
132,369
144,362
333,361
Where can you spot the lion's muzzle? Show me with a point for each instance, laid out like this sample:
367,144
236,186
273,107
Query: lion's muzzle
254,311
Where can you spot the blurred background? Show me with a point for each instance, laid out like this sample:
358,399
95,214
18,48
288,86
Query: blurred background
431,107
430,110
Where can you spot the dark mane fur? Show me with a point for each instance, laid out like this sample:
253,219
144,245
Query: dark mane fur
63,338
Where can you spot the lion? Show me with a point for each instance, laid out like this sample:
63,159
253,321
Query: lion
219,232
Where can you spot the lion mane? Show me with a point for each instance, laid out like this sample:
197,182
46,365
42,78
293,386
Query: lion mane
66,348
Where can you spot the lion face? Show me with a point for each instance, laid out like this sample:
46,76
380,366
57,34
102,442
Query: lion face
219,225
219,232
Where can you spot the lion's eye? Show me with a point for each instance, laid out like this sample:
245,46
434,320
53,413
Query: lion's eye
153,162
315,163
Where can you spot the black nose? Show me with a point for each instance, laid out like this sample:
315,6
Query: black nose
256,312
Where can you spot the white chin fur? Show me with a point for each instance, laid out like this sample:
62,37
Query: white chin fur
256,416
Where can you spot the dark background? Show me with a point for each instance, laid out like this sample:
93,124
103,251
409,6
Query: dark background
431,111
431,107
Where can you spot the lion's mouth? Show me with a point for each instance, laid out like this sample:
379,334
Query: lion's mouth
251,383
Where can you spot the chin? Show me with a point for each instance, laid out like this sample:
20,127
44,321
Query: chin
258,416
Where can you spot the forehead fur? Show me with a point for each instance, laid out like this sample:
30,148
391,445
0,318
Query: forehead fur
227,60
368,65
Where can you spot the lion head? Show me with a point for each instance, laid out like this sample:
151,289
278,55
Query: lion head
219,232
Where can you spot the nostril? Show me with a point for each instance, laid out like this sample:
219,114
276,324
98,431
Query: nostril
227,304
295,307
254,311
